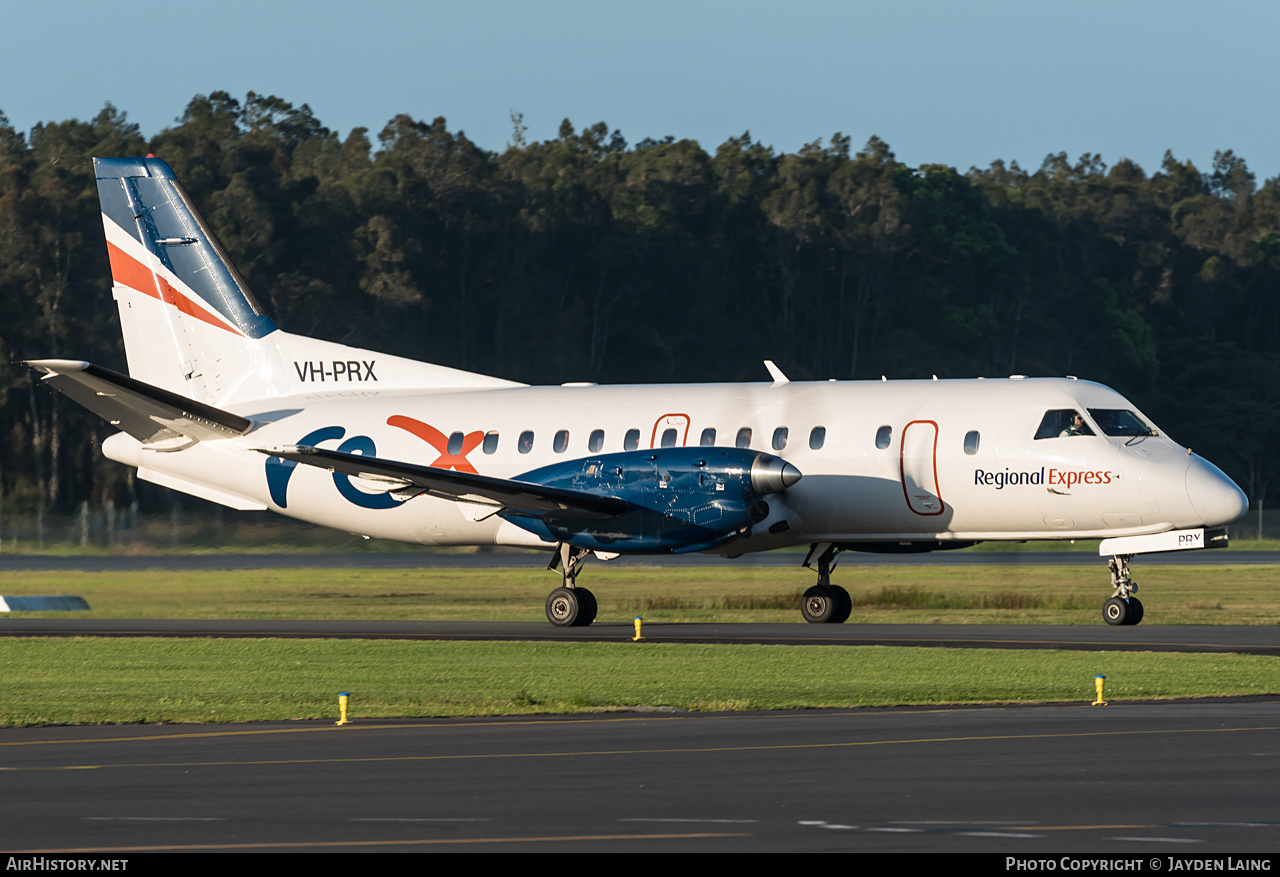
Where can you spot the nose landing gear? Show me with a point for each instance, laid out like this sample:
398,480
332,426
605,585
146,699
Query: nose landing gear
1123,608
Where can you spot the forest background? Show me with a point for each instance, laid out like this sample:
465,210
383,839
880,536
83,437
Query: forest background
588,258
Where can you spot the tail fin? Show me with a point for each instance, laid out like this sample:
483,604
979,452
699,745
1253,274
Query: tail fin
191,325
187,314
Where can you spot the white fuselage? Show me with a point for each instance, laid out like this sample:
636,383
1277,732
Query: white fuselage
915,482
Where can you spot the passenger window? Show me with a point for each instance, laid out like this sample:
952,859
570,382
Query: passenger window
632,440
744,438
884,435
971,439
1062,422
708,437
561,441
525,445
490,442
669,438
780,438
596,440
455,443
817,437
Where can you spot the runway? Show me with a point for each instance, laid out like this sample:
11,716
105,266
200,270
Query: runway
1123,779
1251,639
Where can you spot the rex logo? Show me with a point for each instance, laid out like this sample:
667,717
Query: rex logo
279,471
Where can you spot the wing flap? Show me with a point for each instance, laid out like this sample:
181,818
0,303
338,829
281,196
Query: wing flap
513,496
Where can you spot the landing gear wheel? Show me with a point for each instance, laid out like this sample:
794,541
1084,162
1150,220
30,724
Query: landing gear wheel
818,605
586,607
563,607
1116,611
1135,611
844,605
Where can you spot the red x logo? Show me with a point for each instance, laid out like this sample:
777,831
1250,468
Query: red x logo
440,442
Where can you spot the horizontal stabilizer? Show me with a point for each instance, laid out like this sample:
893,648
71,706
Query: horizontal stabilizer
514,496
149,414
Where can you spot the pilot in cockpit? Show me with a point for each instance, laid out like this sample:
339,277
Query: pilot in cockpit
1077,427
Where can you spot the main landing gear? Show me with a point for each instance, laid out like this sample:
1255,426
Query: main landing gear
570,605
825,603
1123,607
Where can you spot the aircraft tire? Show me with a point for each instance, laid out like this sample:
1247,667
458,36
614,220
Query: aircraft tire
844,605
586,607
1135,611
1115,612
818,605
563,607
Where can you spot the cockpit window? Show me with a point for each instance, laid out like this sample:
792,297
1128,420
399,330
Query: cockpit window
1062,422
1118,422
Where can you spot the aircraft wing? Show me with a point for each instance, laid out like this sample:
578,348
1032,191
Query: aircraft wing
514,496
147,413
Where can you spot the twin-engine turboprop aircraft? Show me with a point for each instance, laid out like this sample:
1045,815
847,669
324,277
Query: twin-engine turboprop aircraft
221,404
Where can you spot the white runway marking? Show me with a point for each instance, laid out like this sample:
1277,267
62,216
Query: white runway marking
717,821
416,819
155,819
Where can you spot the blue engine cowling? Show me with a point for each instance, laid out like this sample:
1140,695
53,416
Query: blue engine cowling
682,499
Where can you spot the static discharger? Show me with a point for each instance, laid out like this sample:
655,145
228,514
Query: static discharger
1097,684
343,699
637,638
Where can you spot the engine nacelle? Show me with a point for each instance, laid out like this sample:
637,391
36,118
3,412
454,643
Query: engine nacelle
681,499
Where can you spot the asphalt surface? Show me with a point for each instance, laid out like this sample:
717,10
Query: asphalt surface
1125,779
1255,639
532,559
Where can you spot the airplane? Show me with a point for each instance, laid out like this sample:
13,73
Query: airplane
222,404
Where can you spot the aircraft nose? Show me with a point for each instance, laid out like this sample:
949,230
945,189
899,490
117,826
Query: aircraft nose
1214,496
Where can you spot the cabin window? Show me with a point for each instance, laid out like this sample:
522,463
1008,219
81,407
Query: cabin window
525,445
744,438
455,443
884,435
669,437
971,440
780,438
708,437
561,441
632,440
817,437
490,442
1062,422
1118,422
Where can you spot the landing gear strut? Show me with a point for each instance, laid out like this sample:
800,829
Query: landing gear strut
1123,607
825,603
570,605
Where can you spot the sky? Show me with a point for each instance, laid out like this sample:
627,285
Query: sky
956,83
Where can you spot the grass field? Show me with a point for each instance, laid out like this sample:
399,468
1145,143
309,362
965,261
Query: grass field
172,680
148,680
884,594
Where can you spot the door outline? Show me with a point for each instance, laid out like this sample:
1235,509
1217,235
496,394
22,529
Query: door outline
669,420
923,502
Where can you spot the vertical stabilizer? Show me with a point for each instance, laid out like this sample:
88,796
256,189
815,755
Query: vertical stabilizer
189,319
191,325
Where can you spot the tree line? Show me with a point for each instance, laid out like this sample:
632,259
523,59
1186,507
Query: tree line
586,257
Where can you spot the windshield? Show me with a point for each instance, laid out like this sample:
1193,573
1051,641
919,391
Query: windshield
1062,422
1118,422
